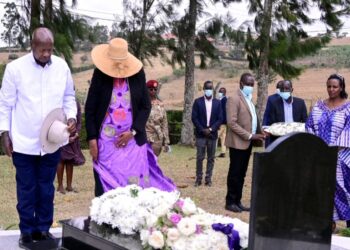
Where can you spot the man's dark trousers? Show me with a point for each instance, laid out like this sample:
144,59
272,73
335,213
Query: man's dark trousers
35,175
203,145
239,160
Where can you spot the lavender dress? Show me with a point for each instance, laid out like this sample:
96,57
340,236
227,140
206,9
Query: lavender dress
333,126
133,164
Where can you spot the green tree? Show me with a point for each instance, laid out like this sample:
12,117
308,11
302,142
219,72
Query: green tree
143,24
189,40
54,15
281,39
99,33
10,22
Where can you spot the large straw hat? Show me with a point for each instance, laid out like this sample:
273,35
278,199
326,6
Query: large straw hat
114,59
54,133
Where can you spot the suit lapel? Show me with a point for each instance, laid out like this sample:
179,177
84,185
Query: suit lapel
204,108
245,103
282,110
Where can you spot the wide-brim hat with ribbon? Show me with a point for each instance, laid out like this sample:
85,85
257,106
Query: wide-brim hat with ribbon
114,59
54,132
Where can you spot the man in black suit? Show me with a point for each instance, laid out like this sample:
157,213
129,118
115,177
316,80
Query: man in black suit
270,100
206,118
287,108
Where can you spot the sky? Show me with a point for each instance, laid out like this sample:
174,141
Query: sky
105,11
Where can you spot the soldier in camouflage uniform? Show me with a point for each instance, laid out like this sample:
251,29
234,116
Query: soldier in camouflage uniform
157,124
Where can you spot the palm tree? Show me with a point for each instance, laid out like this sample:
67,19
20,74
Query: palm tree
65,27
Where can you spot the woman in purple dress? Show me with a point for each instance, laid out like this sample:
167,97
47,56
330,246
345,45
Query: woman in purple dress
330,120
116,111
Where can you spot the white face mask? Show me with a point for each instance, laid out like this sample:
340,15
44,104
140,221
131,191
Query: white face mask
277,91
247,90
208,92
220,95
285,95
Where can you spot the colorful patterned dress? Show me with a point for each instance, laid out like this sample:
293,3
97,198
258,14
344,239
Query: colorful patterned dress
333,126
132,164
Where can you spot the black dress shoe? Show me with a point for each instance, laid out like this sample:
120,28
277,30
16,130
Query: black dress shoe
47,236
197,183
243,208
208,183
24,238
233,208
222,155
36,236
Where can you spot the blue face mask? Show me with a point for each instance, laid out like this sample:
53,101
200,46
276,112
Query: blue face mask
247,90
284,95
208,92
220,95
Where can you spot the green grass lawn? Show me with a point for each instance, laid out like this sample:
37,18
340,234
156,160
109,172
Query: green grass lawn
178,165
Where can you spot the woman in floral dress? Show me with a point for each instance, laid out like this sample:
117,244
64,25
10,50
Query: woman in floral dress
330,120
116,112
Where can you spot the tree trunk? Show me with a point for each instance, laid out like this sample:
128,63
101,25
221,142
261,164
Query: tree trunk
187,129
34,15
147,4
263,70
48,12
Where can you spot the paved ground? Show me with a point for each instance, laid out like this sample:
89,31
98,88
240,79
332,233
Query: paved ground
9,240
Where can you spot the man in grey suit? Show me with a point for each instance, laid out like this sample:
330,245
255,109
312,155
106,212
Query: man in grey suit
242,129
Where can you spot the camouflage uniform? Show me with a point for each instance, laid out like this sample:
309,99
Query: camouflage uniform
157,127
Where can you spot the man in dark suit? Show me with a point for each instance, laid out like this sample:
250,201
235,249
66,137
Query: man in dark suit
270,99
206,118
242,129
222,130
286,108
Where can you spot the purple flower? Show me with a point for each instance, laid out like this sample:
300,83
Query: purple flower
175,218
199,229
180,203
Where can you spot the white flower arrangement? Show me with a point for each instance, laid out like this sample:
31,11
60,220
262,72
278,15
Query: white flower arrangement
164,220
284,128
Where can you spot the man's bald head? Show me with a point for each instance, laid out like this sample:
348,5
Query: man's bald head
42,35
42,45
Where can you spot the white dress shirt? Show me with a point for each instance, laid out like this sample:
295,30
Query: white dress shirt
208,106
248,99
288,111
29,92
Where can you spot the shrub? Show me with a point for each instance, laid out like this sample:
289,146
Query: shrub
83,58
12,56
179,72
175,125
163,79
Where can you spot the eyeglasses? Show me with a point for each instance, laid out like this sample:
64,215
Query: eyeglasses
152,89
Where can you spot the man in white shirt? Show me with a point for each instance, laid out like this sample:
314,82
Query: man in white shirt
32,87
206,118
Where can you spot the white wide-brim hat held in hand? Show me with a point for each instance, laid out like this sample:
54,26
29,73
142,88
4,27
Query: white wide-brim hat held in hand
54,132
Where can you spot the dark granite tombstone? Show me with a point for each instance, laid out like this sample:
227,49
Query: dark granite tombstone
82,233
292,195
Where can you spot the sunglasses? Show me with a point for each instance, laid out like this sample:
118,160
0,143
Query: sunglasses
152,89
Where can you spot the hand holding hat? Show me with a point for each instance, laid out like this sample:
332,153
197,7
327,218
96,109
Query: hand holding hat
54,131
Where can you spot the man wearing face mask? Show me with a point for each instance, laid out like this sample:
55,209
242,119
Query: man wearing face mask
286,108
243,129
206,118
270,100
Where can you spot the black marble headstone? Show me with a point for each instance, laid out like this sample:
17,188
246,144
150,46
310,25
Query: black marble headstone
82,233
293,194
